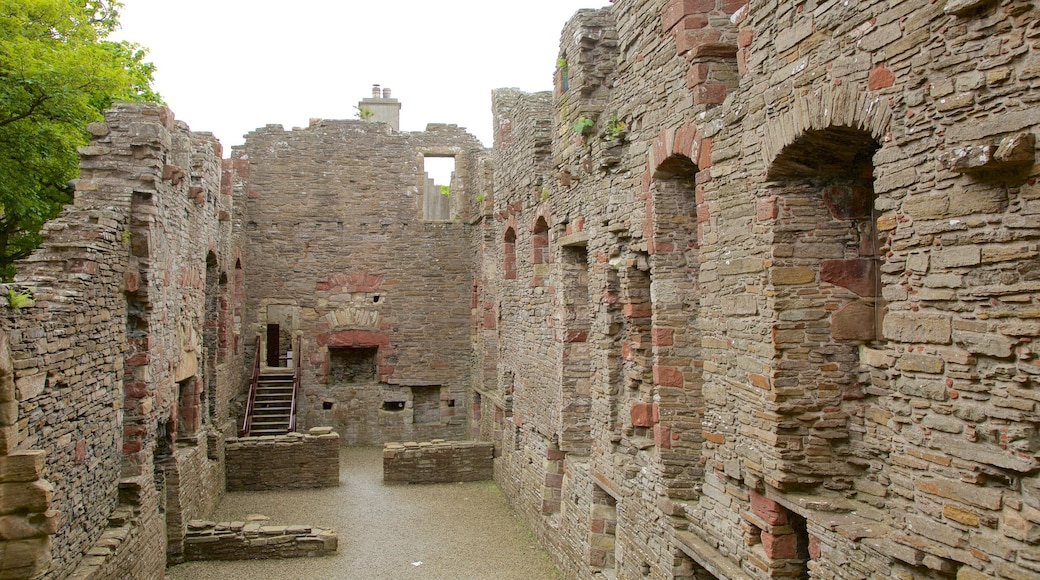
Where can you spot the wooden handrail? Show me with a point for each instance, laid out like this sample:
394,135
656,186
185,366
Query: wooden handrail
297,359
253,382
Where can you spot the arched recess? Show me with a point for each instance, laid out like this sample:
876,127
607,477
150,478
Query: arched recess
540,242
674,334
509,254
825,294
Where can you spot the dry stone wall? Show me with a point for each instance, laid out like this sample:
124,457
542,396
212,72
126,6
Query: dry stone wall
340,254
437,461
293,461
780,262
254,540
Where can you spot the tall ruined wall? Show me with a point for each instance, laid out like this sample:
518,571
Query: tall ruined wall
119,288
807,240
341,256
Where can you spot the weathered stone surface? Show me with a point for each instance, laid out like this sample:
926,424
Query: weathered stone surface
440,462
286,462
917,327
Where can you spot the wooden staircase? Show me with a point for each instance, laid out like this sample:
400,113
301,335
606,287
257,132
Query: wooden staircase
273,397
272,403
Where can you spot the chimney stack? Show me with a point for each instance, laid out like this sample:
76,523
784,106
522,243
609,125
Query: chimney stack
384,108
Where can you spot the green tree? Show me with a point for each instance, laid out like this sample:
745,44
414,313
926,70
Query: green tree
58,72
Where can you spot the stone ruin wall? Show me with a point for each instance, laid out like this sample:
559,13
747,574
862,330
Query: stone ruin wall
341,252
119,317
811,273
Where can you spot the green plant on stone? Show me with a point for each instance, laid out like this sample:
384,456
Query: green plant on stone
583,124
545,194
17,300
561,63
480,198
445,190
363,113
615,127
126,238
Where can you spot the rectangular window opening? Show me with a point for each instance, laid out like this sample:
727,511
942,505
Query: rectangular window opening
438,180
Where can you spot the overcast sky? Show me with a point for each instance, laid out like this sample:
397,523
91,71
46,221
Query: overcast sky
230,66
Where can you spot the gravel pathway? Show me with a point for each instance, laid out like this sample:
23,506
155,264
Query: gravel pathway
426,532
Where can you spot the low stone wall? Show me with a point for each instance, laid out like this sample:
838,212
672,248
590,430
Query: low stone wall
26,520
293,461
252,540
438,461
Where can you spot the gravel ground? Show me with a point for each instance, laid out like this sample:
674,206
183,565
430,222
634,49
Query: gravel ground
462,531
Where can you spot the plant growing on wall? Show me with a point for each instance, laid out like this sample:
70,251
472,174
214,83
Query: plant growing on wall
364,113
583,124
445,190
615,127
18,300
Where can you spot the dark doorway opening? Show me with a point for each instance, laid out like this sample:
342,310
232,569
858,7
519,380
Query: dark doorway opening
273,333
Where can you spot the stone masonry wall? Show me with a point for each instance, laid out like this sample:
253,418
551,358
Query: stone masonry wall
293,461
111,361
437,461
340,254
781,265
255,541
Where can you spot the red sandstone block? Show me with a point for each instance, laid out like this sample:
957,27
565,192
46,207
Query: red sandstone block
677,10
642,415
668,376
130,447
767,509
638,310
709,94
663,336
554,480
704,159
137,360
135,390
767,209
880,78
555,454
814,548
687,40
783,547
731,6
576,336
662,437
697,74
656,413
745,36
134,431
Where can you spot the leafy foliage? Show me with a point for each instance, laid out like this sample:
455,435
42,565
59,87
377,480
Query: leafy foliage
364,113
615,127
445,189
16,300
58,72
583,124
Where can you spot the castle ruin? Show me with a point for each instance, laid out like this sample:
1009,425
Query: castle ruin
752,293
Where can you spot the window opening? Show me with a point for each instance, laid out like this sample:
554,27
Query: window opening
438,180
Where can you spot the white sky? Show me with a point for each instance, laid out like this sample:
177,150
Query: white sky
230,66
